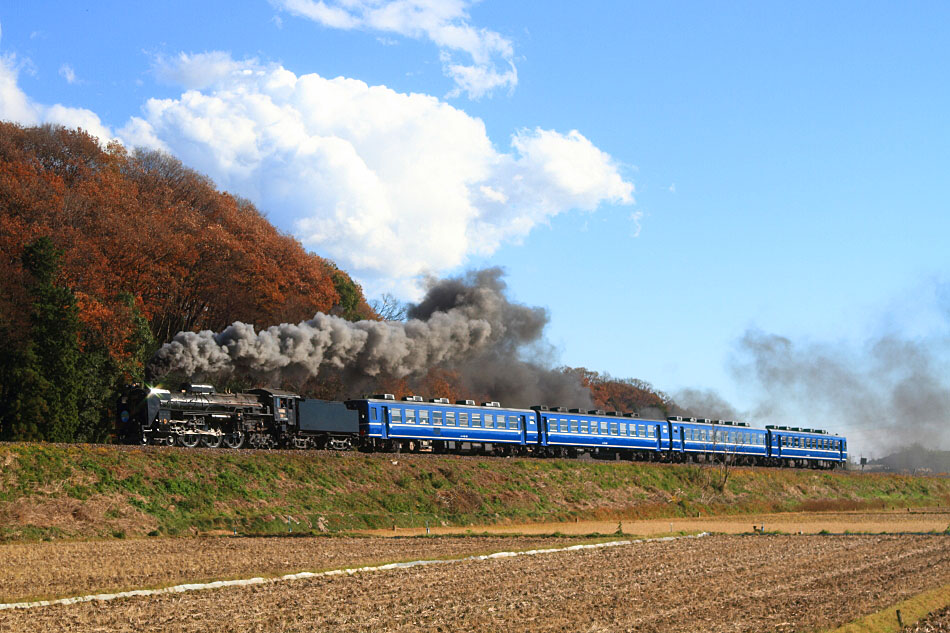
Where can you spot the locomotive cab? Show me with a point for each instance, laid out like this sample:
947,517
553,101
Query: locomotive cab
283,405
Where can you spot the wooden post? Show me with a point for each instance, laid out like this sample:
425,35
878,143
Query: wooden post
900,620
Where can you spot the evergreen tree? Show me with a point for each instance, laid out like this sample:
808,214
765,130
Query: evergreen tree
42,378
23,410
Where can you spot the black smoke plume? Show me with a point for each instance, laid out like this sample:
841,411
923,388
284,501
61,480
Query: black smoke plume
466,324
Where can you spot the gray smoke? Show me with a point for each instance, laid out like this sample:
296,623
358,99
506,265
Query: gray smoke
515,368
705,403
889,393
466,324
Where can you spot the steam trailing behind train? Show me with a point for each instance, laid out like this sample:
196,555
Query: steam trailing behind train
269,418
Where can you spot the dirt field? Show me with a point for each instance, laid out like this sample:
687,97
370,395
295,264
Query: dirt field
51,570
718,583
868,522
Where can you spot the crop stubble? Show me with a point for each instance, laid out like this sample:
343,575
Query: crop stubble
720,583
31,571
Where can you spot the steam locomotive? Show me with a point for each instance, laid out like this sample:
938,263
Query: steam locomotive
261,418
270,418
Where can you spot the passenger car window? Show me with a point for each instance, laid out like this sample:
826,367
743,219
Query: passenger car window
463,419
423,416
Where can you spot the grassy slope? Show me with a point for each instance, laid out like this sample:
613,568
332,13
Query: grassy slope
92,491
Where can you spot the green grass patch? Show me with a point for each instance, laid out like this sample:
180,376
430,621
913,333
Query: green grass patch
98,490
912,610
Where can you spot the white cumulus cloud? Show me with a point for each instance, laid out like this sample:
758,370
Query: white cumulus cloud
390,185
16,106
488,57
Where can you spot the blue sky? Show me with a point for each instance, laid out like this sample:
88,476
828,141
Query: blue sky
778,167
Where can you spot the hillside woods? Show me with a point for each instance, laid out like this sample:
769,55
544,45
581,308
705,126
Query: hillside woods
108,253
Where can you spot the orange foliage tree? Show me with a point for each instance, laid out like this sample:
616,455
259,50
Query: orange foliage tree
144,237
625,395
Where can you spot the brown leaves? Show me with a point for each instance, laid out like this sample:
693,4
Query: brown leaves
142,223
615,394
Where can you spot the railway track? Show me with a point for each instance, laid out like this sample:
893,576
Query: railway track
424,455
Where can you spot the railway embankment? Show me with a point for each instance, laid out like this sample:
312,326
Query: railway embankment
52,491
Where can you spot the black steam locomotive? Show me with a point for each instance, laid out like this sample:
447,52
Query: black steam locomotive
261,418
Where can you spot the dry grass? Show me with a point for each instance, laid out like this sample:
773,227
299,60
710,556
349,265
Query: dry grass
717,584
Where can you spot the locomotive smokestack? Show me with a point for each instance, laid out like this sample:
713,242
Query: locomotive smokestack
464,323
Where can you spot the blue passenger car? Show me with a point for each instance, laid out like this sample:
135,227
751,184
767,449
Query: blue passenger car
795,446
701,439
413,424
568,432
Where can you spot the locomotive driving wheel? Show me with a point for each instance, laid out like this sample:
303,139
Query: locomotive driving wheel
212,441
233,440
189,440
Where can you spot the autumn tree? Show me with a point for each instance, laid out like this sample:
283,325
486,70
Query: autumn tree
626,394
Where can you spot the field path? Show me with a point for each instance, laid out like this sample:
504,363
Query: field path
917,520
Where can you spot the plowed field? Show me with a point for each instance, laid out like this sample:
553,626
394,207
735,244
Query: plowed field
32,571
718,583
